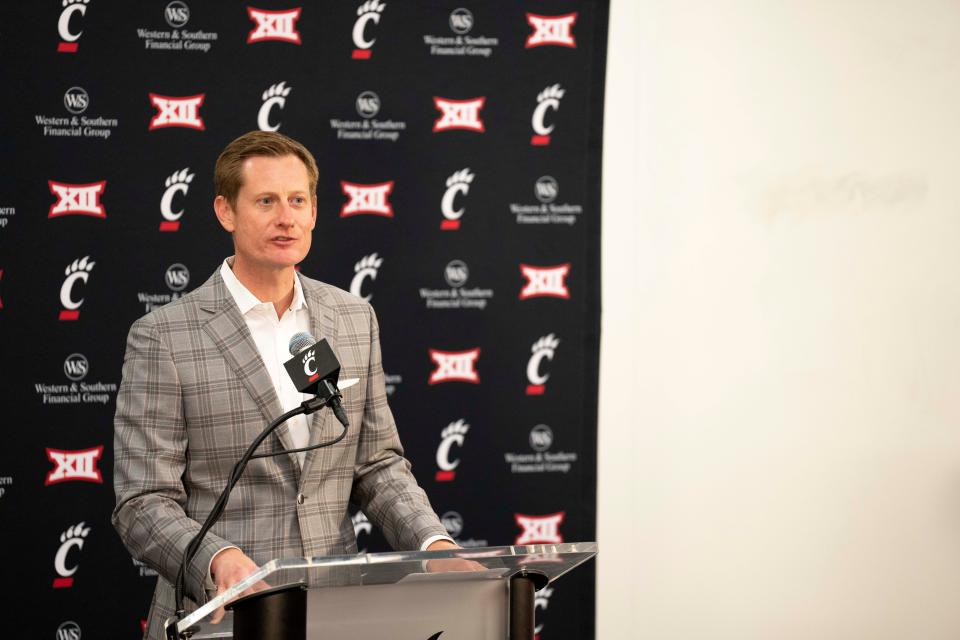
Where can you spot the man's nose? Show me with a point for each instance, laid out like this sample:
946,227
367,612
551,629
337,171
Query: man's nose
284,215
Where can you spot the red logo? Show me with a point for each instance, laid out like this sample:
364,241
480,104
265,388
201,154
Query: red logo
367,198
68,38
177,112
539,529
74,466
545,281
459,114
77,199
553,30
274,25
459,366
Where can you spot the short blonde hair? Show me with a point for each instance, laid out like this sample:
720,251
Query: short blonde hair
228,172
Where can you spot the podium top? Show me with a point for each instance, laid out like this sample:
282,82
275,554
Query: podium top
479,563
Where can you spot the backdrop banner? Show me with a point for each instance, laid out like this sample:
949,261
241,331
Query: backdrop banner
459,147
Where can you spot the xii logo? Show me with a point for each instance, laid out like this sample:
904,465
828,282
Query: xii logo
176,112
77,199
551,30
459,366
274,25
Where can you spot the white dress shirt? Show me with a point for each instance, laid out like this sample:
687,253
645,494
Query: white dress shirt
272,337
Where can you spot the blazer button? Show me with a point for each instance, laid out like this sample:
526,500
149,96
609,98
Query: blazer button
301,498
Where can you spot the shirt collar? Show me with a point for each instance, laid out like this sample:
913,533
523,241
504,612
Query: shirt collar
246,300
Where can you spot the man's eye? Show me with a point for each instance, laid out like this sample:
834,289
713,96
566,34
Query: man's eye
265,200
299,200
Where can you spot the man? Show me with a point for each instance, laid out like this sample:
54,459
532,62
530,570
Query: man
203,375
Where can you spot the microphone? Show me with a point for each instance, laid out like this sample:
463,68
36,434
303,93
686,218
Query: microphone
314,369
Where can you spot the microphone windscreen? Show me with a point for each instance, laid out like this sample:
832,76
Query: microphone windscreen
300,341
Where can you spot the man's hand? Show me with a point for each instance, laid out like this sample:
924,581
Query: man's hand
229,567
450,564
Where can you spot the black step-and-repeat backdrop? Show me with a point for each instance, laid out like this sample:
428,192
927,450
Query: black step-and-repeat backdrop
459,154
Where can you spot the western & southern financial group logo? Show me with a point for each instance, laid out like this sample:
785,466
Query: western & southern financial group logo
177,278
460,44
76,390
540,459
75,124
368,127
546,189
457,296
177,39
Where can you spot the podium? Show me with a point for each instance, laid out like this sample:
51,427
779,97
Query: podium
480,593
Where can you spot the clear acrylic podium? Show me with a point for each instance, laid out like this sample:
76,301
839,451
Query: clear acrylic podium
483,593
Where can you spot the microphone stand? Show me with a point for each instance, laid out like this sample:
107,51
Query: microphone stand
329,395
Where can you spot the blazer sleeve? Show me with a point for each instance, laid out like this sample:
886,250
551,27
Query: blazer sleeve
150,446
384,486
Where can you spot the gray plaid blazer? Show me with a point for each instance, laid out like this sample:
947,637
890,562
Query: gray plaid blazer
195,393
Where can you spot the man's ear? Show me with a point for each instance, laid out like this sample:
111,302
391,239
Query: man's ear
225,213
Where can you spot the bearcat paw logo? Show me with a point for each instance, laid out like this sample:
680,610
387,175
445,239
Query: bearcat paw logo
458,428
278,90
553,91
78,530
460,177
179,177
547,343
82,264
371,6
371,261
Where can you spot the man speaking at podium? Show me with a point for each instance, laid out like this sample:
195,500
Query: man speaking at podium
203,375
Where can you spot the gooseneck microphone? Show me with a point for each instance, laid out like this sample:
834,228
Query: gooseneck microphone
314,369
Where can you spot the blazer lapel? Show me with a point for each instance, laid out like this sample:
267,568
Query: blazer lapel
229,332
322,325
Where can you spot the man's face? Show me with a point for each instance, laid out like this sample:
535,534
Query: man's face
274,213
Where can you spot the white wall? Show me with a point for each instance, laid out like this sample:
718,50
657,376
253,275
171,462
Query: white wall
780,367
